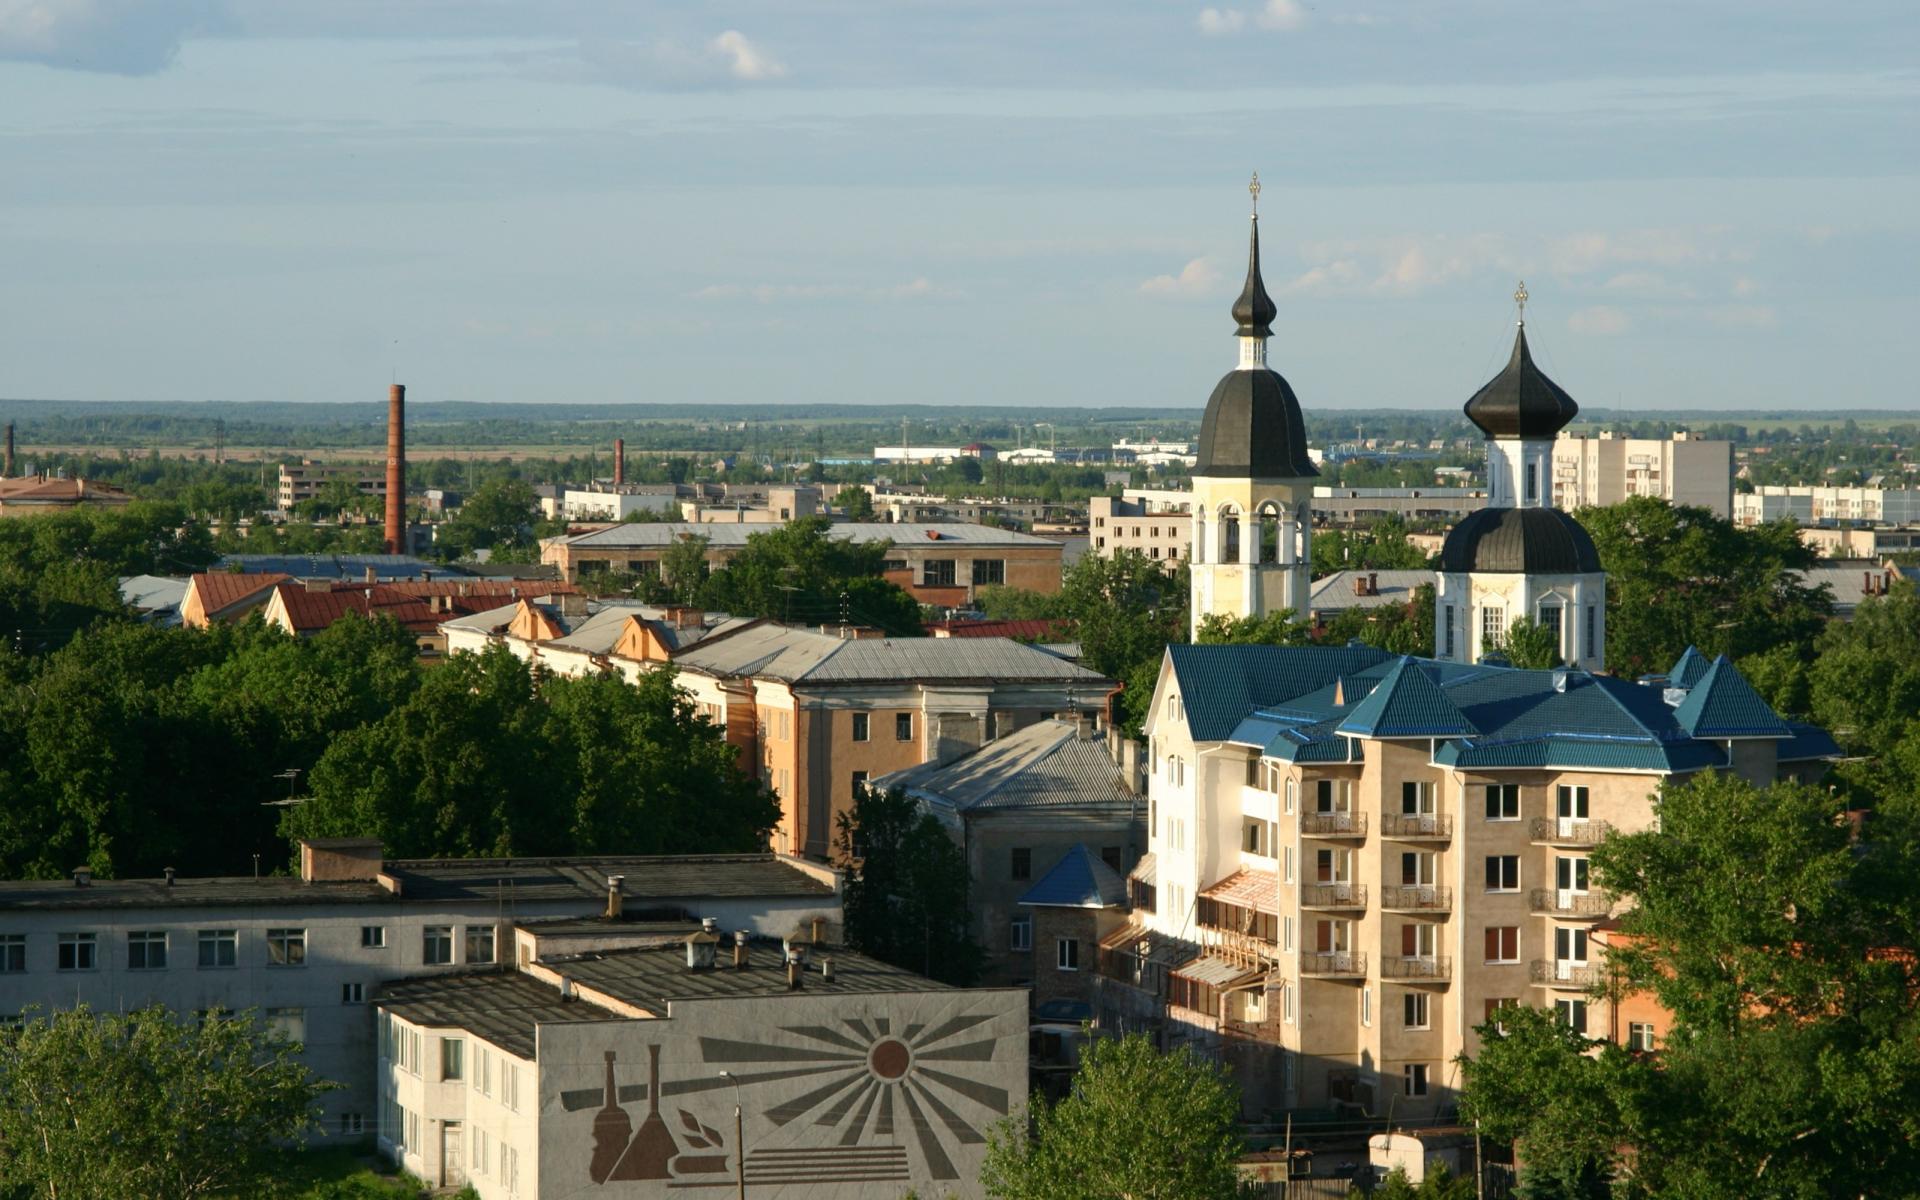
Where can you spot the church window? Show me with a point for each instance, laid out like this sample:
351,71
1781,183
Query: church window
1493,626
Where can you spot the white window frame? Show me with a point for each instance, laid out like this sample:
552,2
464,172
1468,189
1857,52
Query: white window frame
1417,1009
1414,1079
1066,954
1020,934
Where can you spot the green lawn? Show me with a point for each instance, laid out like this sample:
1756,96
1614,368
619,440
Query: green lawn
342,1174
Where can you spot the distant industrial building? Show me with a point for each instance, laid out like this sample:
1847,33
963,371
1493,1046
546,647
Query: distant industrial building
306,481
1828,506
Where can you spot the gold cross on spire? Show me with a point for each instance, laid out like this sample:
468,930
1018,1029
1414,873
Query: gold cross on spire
1520,298
1253,189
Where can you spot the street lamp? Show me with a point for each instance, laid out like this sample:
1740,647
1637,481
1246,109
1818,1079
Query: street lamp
739,1142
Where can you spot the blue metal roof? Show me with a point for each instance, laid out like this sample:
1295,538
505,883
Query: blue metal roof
1688,670
1724,705
1221,684
1807,742
1406,704
1078,880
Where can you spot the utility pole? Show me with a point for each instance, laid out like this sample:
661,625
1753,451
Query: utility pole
739,1141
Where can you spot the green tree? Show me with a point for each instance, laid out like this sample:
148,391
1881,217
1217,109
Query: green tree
1383,547
1280,628
905,900
1680,576
1535,1084
495,517
970,471
683,569
1529,645
106,1106
1396,628
1864,685
1137,1123
799,572
1125,610
855,502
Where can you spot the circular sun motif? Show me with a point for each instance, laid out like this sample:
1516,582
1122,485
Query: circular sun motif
889,1058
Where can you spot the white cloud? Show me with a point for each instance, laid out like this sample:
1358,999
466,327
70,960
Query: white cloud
748,61
1217,21
1743,316
1282,15
119,37
1599,321
1198,278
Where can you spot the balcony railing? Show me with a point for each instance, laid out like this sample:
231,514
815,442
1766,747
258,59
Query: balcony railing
1241,947
1416,825
1553,832
1555,903
1334,964
1408,897
1578,977
1334,824
1416,968
1333,895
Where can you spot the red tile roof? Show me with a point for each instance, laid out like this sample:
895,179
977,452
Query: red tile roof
1035,629
312,611
38,489
221,590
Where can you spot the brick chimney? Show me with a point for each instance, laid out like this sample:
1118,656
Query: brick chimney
6,464
396,534
619,461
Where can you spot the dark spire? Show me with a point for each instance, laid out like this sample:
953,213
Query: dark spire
1521,402
1254,311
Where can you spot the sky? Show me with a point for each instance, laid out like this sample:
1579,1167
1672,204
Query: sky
1714,204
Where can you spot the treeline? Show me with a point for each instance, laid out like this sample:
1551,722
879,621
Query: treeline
134,748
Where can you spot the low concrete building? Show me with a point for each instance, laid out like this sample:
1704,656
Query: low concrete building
1019,807
1073,907
1158,524
1336,593
1828,506
695,1057
32,494
310,950
306,480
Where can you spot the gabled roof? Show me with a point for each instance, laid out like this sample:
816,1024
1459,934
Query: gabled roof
1724,705
778,652
1219,685
219,591
1078,880
1044,765
1688,669
309,612
1406,704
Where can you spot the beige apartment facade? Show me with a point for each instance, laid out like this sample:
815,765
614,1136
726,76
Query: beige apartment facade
1593,471
1155,523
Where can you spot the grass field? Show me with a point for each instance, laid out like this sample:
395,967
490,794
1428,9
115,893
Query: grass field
340,1174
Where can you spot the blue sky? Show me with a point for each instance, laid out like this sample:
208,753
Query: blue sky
1715,205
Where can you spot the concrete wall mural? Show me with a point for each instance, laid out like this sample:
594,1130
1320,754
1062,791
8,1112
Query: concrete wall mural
845,1096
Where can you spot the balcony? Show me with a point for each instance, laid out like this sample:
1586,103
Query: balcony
1333,895
1551,902
1334,824
1417,970
1416,898
1570,976
1417,827
1550,832
1335,964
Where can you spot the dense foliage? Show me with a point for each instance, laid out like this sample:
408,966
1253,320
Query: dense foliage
107,1106
1680,576
1136,1123
797,572
1787,954
123,749
61,572
905,900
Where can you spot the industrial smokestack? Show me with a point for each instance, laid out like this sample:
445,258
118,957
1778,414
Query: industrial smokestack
6,466
397,469
619,461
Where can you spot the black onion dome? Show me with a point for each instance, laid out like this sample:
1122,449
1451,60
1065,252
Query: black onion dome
1253,430
1530,541
1521,402
1254,310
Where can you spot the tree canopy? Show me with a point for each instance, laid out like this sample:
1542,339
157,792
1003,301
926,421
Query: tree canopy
1680,576
1786,953
106,1106
60,572
905,900
797,572
1137,1123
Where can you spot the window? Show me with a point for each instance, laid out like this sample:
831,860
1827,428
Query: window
510,1085
1503,943
353,993
1290,790
352,1124
436,944
77,952
219,947
1414,1075
1067,953
989,570
373,937
1286,1002
1571,875
1416,799
903,727
479,943
1550,621
1366,1007
288,1023
1503,802
861,723
1416,869
1020,934
1503,872
1177,834
937,572
1418,1012
286,947
1640,1036
146,950
1491,1010
1416,939
1286,934
1574,1013
1447,627
453,1058
1590,647
1286,864
1533,494
1022,866
856,783
13,953
483,1076
1571,804
1177,771
1173,708
1493,626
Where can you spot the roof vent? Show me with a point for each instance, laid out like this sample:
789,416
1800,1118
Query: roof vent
826,970
168,872
566,990
1559,681
740,950
703,946
1674,696
83,877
